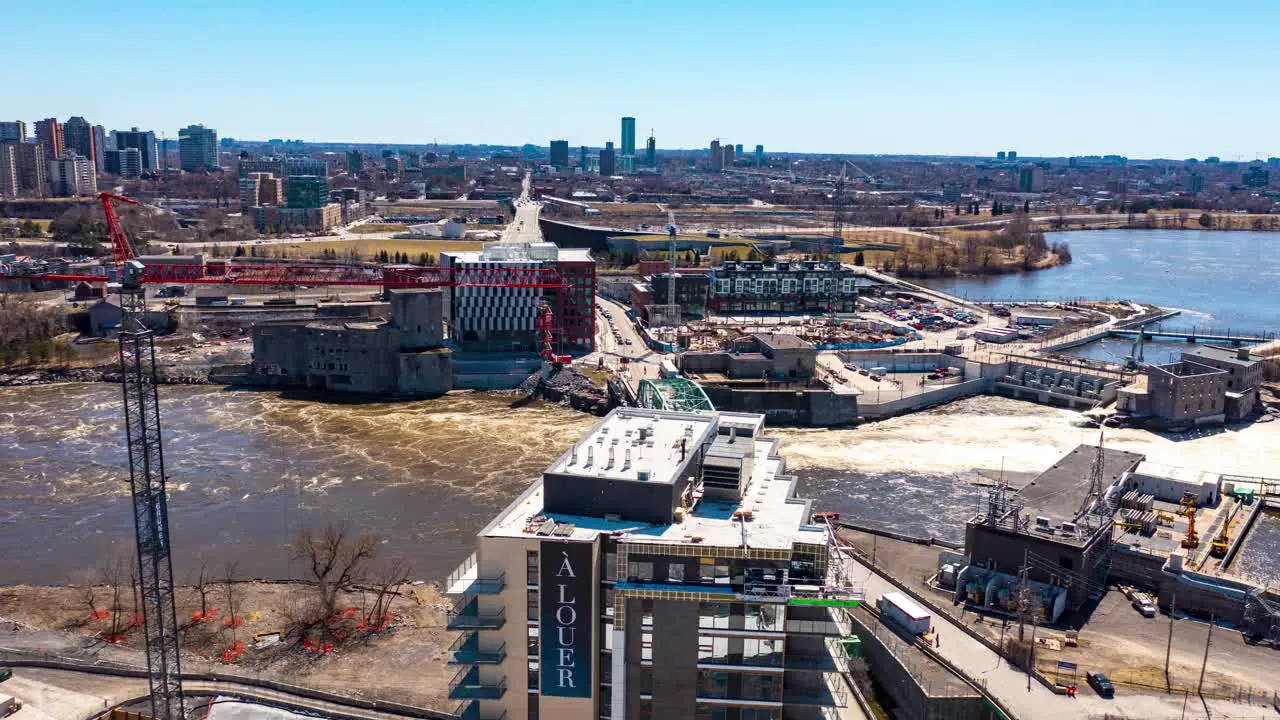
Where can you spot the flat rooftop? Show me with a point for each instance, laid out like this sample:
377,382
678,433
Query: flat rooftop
1228,356
1058,492
644,447
1187,368
778,520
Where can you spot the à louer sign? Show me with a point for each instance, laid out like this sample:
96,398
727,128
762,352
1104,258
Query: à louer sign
566,622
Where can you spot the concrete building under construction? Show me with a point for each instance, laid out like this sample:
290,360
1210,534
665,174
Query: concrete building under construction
661,568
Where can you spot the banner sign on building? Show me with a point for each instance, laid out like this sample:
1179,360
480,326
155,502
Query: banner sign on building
567,621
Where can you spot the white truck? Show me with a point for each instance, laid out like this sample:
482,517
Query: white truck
898,609
9,705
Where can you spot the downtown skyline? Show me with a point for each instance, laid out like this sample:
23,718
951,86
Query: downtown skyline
1145,80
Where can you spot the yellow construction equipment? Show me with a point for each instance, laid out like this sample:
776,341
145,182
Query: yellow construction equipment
1192,539
1220,544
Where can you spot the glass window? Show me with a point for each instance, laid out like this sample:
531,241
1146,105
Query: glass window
675,572
640,571
713,615
531,567
706,570
532,604
533,707
611,566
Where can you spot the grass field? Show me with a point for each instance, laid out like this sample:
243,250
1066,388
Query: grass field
371,228
367,248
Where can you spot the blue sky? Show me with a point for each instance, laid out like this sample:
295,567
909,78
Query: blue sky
1135,77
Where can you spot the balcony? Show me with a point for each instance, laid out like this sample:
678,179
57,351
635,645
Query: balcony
466,650
830,691
471,617
832,658
475,710
465,580
468,685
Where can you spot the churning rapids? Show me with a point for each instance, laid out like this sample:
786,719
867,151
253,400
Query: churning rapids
247,469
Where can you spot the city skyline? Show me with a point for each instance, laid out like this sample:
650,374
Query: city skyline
1091,79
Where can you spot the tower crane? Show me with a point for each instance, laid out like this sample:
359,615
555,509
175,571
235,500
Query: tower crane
671,267
143,437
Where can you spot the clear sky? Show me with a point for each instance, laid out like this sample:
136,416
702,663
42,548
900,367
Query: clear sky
1143,78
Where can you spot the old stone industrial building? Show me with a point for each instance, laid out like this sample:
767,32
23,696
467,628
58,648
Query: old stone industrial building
403,355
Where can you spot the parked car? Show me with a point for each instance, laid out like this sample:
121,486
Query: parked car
1101,684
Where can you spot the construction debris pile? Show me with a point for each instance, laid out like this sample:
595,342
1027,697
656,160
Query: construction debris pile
568,386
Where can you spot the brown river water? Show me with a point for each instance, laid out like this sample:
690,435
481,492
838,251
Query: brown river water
248,469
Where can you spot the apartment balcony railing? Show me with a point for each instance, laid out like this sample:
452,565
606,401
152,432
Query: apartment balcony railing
468,685
476,710
466,580
830,693
471,617
832,658
467,650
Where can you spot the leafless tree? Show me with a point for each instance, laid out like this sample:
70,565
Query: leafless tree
333,559
233,594
88,582
385,576
115,574
200,580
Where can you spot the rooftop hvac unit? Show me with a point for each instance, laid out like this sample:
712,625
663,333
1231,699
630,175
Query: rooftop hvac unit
1068,527
1042,521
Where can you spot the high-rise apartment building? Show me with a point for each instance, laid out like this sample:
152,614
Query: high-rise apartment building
306,191
662,567
608,160
728,155
651,152
78,137
628,136
49,136
271,191
197,148
8,171
126,163
1030,179
31,167
759,156
582,157
73,176
737,150
13,131
355,161
560,154
99,135
144,141
717,156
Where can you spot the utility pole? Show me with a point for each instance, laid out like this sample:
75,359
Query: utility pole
1213,620
1168,650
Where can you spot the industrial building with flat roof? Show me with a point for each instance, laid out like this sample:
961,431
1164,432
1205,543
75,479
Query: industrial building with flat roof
662,567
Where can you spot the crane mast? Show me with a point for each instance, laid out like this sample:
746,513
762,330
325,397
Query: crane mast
837,241
146,477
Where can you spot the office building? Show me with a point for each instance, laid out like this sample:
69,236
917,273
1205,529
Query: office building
651,152
394,166
1031,179
560,154
99,146
662,567
499,318
8,171
275,219
608,160
759,156
125,163
78,137
1256,176
355,161
197,148
15,131
31,165
717,156
49,136
582,157
285,166
729,155
270,190
306,191
145,143
73,176
1012,155
737,150
628,136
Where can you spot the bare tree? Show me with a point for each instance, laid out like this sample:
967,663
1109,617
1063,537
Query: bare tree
115,573
385,576
233,595
200,580
333,559
88,582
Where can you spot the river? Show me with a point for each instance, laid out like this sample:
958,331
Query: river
247,469
1219,279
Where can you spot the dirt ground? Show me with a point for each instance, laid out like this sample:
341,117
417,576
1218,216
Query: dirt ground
1115,639
405,662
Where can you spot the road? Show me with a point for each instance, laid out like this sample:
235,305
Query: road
523,228
1035,701
643,362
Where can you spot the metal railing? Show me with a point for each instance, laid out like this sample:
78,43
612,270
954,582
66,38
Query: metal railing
468,685
478,585
466,650
472,618
473,710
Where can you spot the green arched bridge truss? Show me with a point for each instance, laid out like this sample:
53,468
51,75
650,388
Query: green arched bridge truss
672,394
